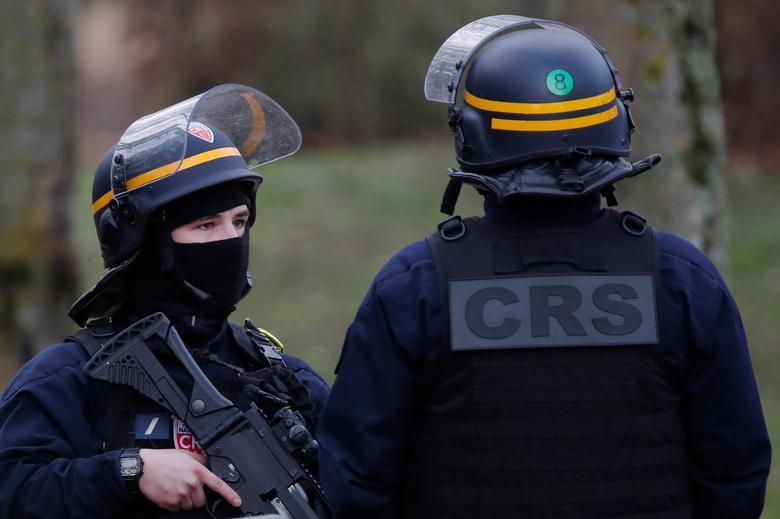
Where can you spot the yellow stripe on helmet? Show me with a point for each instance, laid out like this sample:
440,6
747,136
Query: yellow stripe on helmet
540,108
167,169
520,125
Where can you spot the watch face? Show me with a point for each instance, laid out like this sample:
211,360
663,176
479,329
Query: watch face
129,467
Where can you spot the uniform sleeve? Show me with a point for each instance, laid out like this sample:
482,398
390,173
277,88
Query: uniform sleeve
369,412
49,461
729,445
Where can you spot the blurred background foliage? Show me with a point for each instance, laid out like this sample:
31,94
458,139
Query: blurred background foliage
370,175
352,71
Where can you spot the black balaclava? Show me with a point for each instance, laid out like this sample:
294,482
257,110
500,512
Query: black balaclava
196,285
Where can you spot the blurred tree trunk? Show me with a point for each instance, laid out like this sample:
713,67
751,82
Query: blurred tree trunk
37,271
665,50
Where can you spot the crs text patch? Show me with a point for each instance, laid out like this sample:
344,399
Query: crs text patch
550,311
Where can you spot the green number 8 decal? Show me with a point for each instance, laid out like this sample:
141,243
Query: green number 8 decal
559,82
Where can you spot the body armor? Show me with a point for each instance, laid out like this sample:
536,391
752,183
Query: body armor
551,400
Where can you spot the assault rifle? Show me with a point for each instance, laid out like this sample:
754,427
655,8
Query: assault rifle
257,458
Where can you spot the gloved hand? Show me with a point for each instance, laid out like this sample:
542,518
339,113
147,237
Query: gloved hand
274,387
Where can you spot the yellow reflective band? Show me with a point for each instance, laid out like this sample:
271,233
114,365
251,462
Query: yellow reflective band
554,125
276,342
540,108
168,169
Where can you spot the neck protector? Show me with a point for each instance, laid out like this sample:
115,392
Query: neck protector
551,178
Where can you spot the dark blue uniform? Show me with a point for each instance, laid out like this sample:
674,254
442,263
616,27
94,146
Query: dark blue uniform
51,459
369,419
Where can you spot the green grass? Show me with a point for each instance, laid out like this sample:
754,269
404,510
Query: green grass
328,219
755,282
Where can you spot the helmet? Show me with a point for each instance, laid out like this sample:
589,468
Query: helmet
122,226
534,89
207,140
211,139
538,93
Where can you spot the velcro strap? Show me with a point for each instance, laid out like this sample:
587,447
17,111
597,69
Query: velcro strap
559,249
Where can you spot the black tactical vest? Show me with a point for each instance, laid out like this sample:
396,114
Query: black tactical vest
126,418
552,399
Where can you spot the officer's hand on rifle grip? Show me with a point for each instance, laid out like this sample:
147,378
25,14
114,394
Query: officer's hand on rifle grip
174,480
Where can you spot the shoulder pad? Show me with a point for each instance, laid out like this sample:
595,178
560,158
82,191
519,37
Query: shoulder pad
94,335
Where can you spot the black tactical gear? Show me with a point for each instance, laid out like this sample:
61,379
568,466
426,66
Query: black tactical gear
127,418
551,359
574,418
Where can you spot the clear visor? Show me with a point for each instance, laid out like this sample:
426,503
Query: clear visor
446,68
260,129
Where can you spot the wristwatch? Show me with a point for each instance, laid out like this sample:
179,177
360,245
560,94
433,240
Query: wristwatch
131,468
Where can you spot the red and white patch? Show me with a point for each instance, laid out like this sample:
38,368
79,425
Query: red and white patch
201,131
183,438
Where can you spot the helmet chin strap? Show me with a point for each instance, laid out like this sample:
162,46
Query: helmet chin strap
451,195
608,192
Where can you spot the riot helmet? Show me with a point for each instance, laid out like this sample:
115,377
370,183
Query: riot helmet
536,107
206,141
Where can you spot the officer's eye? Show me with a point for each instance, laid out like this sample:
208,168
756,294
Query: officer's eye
239,223
206,226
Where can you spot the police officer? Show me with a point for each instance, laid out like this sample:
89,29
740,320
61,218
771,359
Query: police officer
173,202
552,358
